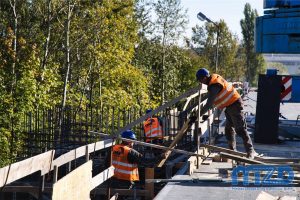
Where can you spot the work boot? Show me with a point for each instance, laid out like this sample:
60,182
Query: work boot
232,145
251,154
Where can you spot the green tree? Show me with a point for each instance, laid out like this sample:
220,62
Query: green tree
38,48
170,23
282,70
204,43
254,61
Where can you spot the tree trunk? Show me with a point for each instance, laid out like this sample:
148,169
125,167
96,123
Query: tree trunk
67,65
67,54
163,87
46,45
14,74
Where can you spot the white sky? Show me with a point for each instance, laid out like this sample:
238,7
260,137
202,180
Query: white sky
231,11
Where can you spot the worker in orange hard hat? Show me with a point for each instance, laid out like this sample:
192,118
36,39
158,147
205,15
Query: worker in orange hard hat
223,95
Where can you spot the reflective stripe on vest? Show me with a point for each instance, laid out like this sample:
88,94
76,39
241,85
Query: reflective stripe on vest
126,172
124,164
123,169
154,132
152,128
228,94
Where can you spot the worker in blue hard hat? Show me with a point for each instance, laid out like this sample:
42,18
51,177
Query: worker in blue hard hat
222,95
125,159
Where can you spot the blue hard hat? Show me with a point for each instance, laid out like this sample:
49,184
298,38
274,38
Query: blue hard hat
202,73
148,111
129,134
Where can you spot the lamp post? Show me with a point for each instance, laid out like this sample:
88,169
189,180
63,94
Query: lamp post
202,17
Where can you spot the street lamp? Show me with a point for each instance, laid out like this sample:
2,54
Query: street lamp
202,17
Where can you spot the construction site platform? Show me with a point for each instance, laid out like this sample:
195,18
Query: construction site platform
218,190
193,189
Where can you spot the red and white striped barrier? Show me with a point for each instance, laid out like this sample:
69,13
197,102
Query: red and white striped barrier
286,94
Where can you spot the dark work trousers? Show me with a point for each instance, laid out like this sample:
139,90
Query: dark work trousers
236,124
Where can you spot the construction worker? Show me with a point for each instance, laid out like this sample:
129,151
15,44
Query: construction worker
153,129
126,160
223,95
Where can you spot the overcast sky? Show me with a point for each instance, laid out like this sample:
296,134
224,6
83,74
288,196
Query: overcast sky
229,10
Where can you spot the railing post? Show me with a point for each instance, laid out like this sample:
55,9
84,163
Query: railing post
87,155
41,186
108,192
208,127
198,129
55,173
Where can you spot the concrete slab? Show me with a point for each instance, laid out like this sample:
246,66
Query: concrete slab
224,190
217,191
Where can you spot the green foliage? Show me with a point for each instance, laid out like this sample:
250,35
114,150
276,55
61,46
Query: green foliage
171,20
4,143
157,53
124,87
123,54
204,41
254,62
282,70
32,67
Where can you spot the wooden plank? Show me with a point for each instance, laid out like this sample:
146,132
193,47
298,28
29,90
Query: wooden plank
75,185
103,176
221,149
207,161
15,171
81,151
160,108
192,164
156,146
178,137
242,159
237,153
149,174
115,197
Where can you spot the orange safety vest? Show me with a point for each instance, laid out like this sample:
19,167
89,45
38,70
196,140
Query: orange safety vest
123,169
152,129
228,94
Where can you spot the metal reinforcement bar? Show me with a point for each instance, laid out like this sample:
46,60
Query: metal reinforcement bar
193,180
157,110
153,145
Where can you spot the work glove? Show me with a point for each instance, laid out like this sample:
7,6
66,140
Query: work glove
204,117
163,155
192,119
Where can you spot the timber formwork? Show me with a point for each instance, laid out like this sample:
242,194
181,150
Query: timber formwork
68,162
